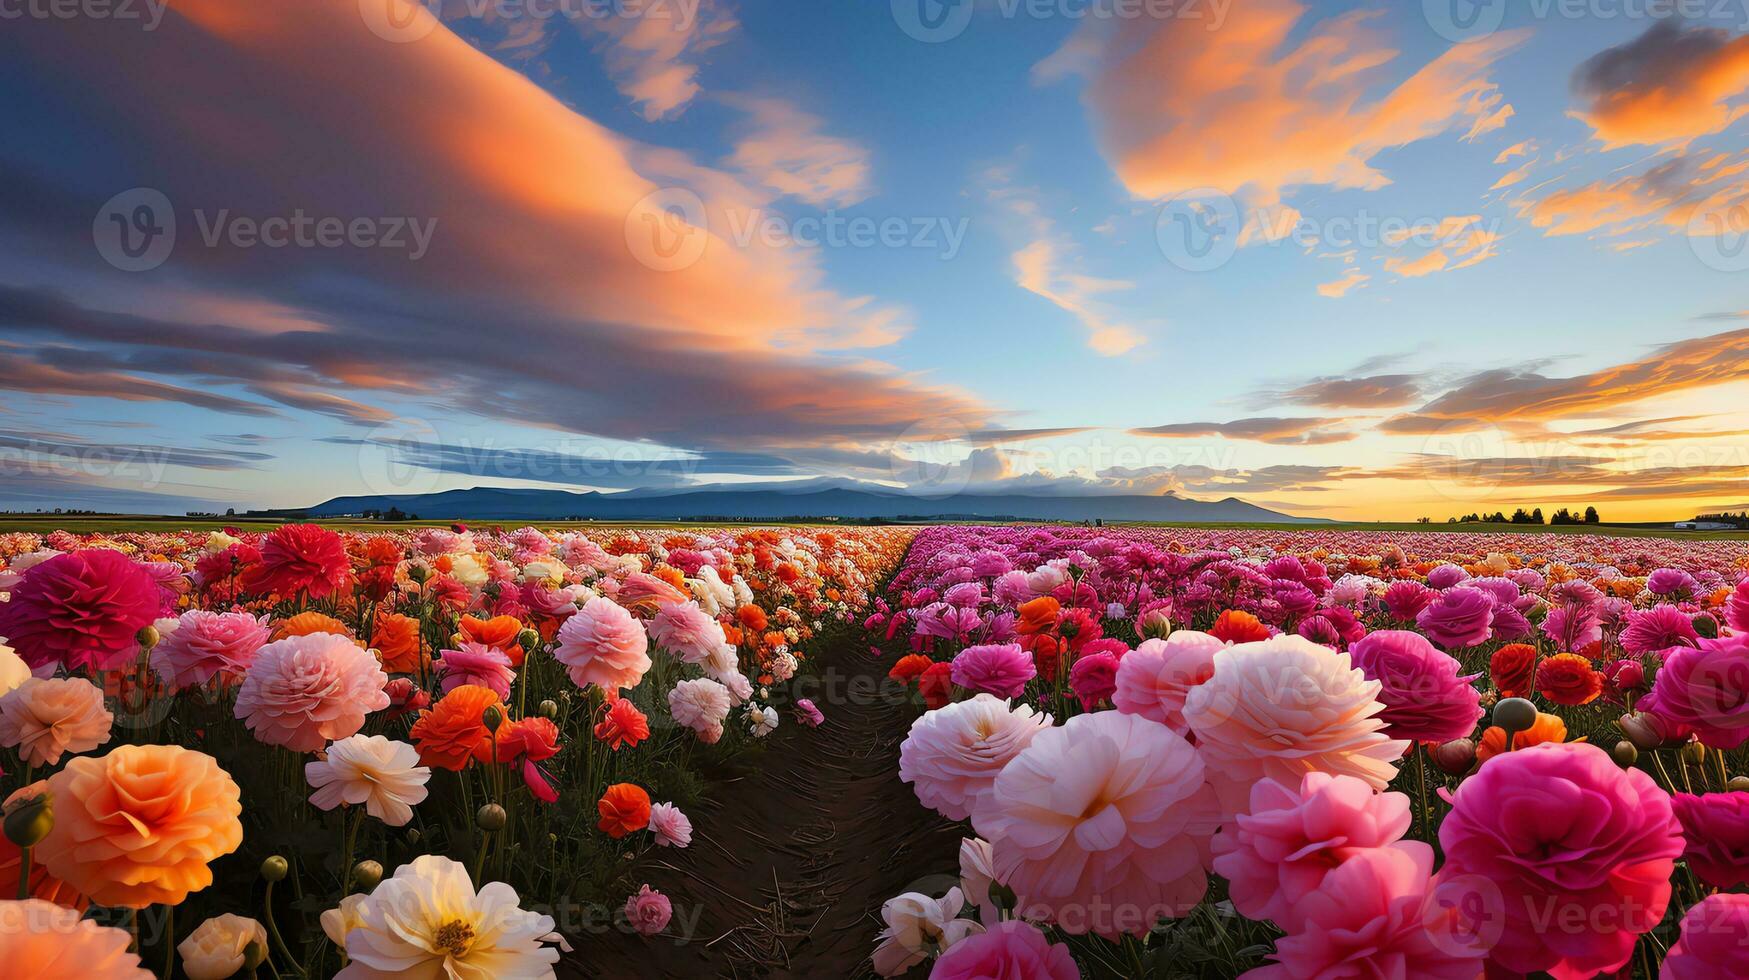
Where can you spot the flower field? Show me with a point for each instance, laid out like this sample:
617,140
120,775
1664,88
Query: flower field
1159,752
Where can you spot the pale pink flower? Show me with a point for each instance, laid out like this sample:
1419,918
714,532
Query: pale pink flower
383,775
477,664
917,926
700,704
205,643
687,631
303,692
1103,825
648,911
603,645
43,719
952,754
671,827
1154,678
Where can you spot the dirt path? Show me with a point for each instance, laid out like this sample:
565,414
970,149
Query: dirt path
789,864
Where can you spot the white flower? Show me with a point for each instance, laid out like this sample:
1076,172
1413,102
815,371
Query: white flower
544,570
428,921
467,570
762,721
978,873
917,926
214,950
383,775
783,666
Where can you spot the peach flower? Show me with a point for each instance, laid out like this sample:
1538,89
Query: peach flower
383,775
429,921
139,826
43,719
44,941
603,645
216,947
952,754
1283,707
13,669
305,691
1154,679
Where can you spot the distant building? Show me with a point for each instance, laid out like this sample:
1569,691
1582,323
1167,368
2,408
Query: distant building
1704,526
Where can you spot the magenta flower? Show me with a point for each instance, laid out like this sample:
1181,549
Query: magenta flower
1094,678
1659,628
1714,943
1010,949
206,643
1461,617
478,664
1716,828
1737,608
1405,599
1705,689
82,610
1425,698
1446,576
1672,582
809,714
1001,669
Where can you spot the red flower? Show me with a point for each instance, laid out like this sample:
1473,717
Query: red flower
936,685
624,809
1510,667
300,559
1078,627
83,609
624,725
1234,626
909,668
1568,679
527,741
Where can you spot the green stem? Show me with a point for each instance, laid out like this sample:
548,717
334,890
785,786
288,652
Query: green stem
169,942
273,933
24,855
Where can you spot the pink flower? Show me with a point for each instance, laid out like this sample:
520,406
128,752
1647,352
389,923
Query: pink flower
1008,951
1154,679
670,826
82,610
1659,628
1405,599
44,719
479,664
808,714
1716,829
303,692
1704,689
648,911
1371,918
206,643
952,754
1001,669
1292,839
1461,617
603,645
299,559
1714,943
1425,699
1558,833
687,631
700,704
1094,678
1103,825
1737,608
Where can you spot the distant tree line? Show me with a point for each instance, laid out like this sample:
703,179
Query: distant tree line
1534,516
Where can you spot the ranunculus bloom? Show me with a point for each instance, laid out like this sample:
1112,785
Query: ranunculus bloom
206,643
952,754
500,633
383,775
44,941
687,631
43,719
1716,829
82,610
476,663
1037,615
1512,669
624,809
909,667
1461,617
1659,628
648,911
216,947
1371,918
1001,669
700,704
299,559
447,733
916,926
1010,951
1285,707
139,826
1703,688
623,724
396,638
1102,825
1737,608
1405,599
13,670
309,623
1291,839
1094,679
1426,699
808,713
935,685
305,691
669,825
1154,678
603,645
1234,626
1568,679
1714,943
1546,728
428,921
1580,850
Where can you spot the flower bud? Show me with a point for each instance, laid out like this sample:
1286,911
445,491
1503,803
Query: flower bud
1641,732
29,821
1694,754
1456,757
1738,784
492,717
1629,675
275,868
528,639
491,818
1002,896
1706,627
1514,714
366,874
549,709
1624,754
148,636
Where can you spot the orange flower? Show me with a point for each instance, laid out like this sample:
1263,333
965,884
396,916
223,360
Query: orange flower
1234,626
448,732
139,826
1510,668
624,809
624,725
1037,615
752,617
537,738
305,623
499,633
909,667
42,884
1548,728
673,576
396,637
1568,679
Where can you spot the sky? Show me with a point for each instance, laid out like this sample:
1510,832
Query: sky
1347,260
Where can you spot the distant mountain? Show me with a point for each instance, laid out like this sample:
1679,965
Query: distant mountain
810,499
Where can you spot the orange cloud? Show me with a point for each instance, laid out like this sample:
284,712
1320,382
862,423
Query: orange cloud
1338,288
1669,85
651,50
786,152
1275,431
1674,195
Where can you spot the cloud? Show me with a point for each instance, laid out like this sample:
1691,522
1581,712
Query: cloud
1338,288
1024,435
652,50
1678,194
786,152
1275,431
1269,102
532,304
1377,391
1670,85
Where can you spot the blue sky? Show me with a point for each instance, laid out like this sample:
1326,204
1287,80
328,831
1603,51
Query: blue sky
1456,269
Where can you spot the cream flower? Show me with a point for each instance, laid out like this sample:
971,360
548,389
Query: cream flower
1283,707
383,775
429,922
467,570
337,922
214,950
43,719
917,927
45,941
13,670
